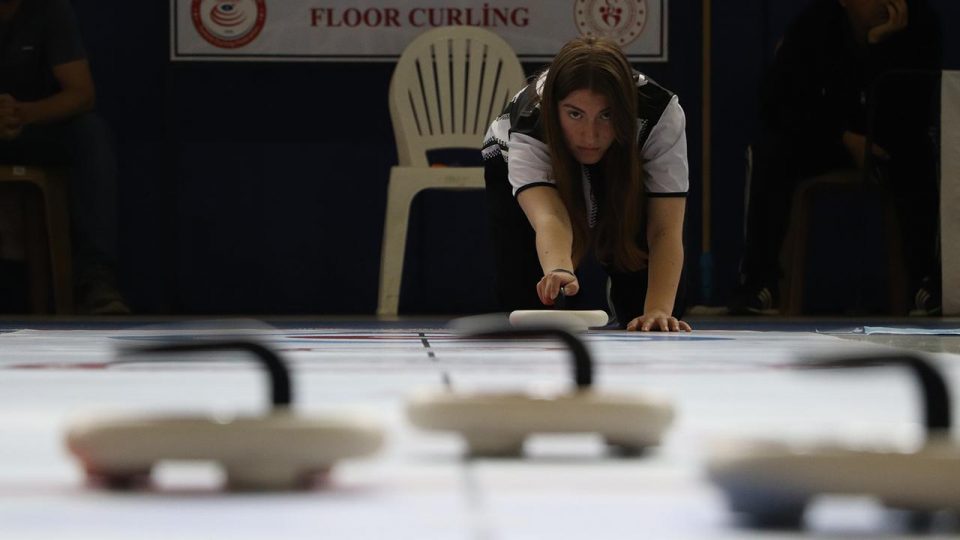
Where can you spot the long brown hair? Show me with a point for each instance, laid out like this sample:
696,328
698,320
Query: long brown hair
599,66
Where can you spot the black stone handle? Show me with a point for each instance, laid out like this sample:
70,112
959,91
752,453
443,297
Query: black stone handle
935,393
281,394
560,302
582,363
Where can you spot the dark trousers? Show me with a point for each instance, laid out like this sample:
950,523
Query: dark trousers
781,162
83,145
518,267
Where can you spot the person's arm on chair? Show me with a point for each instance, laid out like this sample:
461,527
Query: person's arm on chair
76,95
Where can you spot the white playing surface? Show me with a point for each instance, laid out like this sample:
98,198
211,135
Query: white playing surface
722,383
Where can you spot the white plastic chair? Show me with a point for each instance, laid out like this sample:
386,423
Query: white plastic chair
449,84
42,193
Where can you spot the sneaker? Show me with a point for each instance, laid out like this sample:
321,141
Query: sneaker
755,300
927,300
101,298
97,292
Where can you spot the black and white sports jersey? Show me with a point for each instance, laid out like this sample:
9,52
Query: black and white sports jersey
517,136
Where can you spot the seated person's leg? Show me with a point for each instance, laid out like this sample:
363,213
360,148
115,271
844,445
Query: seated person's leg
38,145
913,177
93,205
514,242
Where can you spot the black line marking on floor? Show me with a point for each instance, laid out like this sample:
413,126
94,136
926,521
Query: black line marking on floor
444,376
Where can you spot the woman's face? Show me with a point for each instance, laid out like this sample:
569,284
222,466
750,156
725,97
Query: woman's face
586,124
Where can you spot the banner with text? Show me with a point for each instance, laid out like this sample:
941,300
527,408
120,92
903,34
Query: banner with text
369,30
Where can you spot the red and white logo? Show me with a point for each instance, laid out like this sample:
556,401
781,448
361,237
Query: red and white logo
229,24
619,20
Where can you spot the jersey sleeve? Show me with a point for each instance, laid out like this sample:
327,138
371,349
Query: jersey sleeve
517,137
529,162
664,155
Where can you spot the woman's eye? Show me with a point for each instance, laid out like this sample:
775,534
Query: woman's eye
605,115
576,115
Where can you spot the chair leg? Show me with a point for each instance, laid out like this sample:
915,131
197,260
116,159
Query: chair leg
58,231
896,275
400,195
792,299
38,269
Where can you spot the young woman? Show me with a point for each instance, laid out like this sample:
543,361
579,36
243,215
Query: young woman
591,156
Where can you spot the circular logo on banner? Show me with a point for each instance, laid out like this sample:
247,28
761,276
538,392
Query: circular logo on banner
619,20
229,24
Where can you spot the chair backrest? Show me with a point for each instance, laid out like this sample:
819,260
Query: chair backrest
449,84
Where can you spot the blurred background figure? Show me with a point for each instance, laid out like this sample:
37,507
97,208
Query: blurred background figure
46,102
838,60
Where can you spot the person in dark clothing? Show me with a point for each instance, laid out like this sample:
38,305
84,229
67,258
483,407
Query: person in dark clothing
837,59
46,101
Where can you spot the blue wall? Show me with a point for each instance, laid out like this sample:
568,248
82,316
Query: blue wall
260,187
